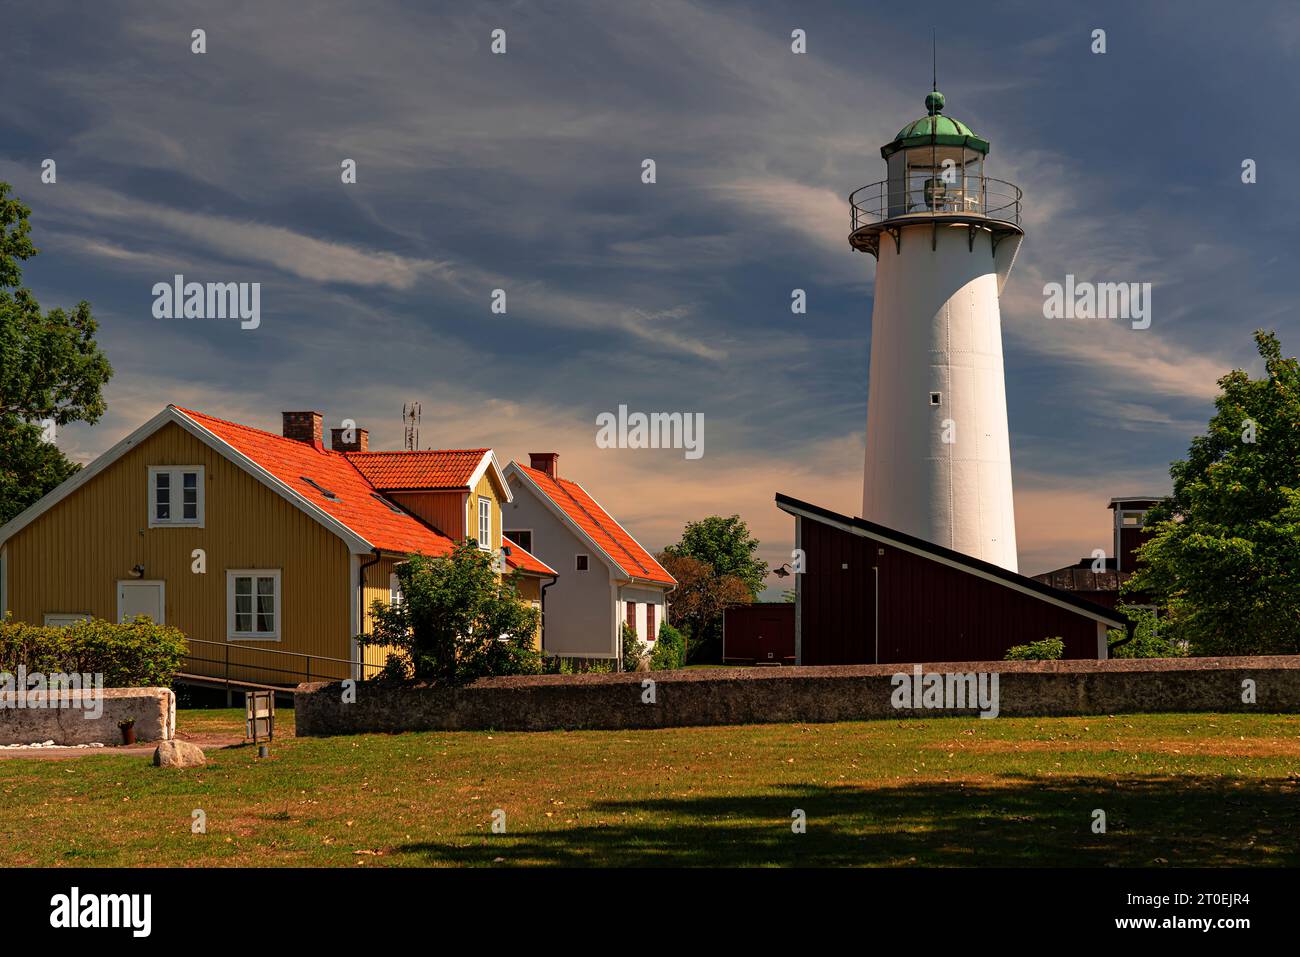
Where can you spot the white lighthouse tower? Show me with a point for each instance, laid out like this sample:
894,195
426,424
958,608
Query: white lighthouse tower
944,236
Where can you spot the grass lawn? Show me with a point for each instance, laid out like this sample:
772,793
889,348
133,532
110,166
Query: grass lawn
1178,790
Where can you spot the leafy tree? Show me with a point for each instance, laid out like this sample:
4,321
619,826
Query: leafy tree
50,369
726,544
697,603
1150,637
457,621
1224,553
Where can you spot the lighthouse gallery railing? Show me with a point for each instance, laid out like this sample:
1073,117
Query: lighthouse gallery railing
920,197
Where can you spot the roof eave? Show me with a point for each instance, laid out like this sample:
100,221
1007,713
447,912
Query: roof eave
979,144
171,414
568,520
987,570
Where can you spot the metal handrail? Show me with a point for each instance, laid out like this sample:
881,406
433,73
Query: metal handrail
916,198
304,673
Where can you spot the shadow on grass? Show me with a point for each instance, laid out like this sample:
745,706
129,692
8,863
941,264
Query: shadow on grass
1022,822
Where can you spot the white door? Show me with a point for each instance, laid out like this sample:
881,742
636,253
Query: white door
140,598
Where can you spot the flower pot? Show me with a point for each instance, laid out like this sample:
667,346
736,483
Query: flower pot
128,735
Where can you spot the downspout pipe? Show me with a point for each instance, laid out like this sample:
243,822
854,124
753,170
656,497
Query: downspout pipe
361,607
542,594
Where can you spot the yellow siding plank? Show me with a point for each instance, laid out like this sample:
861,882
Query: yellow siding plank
71,558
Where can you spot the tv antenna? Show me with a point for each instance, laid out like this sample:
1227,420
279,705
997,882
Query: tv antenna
411,425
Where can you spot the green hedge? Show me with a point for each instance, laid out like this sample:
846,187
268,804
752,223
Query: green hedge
1046,649
134,654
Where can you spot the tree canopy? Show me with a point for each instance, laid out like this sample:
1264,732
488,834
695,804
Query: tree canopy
456,621
51,370
1224,554
726,545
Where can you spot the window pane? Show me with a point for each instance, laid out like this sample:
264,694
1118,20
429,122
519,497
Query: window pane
162,496
266,604
190,495
243,605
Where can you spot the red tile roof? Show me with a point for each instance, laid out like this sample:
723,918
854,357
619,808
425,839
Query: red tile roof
357,504
526,562
430,469
600,527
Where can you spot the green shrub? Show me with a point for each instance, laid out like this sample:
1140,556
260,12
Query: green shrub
556,665
668,649
1150,639
1047,649
633,648
457,621
133,654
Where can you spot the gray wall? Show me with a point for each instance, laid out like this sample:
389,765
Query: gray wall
68,722
759,695
580,605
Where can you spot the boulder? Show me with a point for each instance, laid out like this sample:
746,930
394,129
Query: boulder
178,754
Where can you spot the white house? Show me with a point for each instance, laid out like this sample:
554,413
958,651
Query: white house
606,577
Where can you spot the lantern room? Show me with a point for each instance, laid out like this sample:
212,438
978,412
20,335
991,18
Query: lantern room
935,165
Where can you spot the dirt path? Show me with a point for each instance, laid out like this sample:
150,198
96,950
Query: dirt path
207,741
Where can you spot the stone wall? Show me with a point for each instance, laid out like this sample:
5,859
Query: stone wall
72,721
762,695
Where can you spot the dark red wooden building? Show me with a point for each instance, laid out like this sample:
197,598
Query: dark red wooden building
1099,579
869,594
761,633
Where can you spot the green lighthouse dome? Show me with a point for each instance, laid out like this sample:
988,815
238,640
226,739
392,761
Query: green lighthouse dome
935,129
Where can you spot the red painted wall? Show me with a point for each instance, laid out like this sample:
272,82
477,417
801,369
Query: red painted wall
759,632
927,611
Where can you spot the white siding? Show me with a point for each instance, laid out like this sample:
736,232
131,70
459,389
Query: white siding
580,607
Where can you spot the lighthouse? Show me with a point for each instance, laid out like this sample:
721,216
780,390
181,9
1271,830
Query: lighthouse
944,235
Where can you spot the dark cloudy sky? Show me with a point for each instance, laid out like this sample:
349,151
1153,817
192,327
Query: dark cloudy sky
522,171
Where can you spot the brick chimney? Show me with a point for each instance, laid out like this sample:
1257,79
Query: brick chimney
543,462
360,442
303,427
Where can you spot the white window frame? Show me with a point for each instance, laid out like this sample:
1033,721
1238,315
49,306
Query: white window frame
575,563
176,486
395,596
64,619
484,540
1139,514
255,573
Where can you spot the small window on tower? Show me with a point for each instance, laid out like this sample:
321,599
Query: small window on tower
581,563
936,398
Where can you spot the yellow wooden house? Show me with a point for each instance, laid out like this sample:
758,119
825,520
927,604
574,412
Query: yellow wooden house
266,550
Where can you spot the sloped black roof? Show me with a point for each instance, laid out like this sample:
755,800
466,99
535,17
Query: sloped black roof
1022,582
